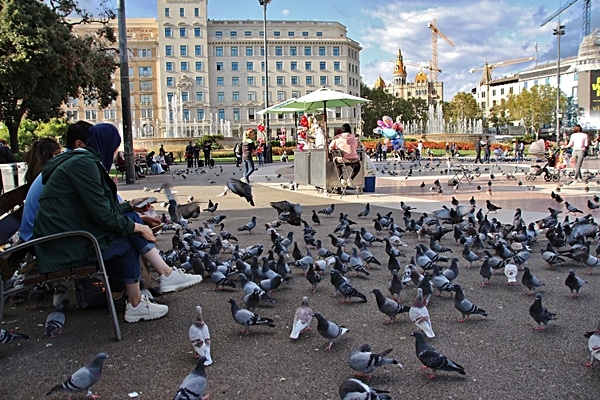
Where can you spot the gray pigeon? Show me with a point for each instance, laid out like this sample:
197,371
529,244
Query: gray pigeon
462,304
342,284
246,318
354,389
364,361
329,330
574,283
395,286
389,307
440,281
327,210
194,385
432,358
531,281
242,189
7,337
83,378
54,323
365,211
540,314
248,226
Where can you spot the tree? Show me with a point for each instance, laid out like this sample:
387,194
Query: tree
462,107
534,107
499,115
42,63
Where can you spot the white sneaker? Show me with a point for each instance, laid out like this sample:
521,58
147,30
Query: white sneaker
343,182
178,280
243,179
145,310
349,183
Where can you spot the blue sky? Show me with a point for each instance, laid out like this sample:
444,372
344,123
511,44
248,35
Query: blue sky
483,30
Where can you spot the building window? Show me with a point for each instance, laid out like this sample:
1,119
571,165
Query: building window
198,65
110,114
251,96
145,72
185,96
524,85
249,66
319,34
199,96
199,81
184,66
309,80
198,50
336,51
262,65
221,96
183,50
146,99
322,51
169,66
323,80
219,66
295,93
251,114
220,81
250,81
186,114
336,65
278,50
293,51
146,86
280,95
219,51
249,51
276,33
168,50
197,31
219,34
294,80
337,80
168,32
169,97
167,12
234,66
294,66
308,65
262,51
147,113
501,91
91,115
235,81
279,66
236,114
305,34
233,34
280,80
145,53
222,113
291,33
182,32
196,12
307,51
234,51
182,12
247,33
322,65
235,96
200,114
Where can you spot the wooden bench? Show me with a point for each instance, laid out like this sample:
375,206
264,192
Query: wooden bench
18,256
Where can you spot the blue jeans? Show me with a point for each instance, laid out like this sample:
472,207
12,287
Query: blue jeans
248,168
141,245
261,159
122,262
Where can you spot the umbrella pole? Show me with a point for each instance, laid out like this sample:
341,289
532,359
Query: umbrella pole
325,118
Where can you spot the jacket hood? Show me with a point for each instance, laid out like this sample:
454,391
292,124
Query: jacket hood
106,140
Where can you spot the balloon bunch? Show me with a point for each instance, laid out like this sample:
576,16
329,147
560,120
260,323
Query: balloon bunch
282,137
261,128
390,130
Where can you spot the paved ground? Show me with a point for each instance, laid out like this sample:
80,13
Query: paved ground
503,356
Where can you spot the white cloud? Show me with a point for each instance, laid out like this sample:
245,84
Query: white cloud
285,12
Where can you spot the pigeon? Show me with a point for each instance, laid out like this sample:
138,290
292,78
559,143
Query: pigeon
342,285
388,306
328,329
364,361
511,271
7,336
313,277
540,314
531,281
486,272
240,188
491,207
432,358
220,279
327,210
594,346
82,379
574,283
193,385
354,389
395,286
462,304
54,323
248,226
365,211
315,218
419,314
302,319
60,299
469,255
288,212
247,318
440,281
572,209
212,207
200,337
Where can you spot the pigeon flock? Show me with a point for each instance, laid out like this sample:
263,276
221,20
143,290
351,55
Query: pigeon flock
334,281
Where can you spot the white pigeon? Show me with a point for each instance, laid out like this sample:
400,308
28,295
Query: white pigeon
200,337
594,346
420,315
511,271
302,319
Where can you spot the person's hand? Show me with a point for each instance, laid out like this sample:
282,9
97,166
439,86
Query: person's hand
145,232
150,220
137,201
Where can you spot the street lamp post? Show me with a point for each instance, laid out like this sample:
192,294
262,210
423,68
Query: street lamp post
558,32
268,155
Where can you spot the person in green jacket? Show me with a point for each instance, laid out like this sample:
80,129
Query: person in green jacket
79,194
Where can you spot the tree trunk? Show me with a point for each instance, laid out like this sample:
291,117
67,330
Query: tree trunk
12,123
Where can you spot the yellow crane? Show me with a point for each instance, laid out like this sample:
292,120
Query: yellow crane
435,32
486,76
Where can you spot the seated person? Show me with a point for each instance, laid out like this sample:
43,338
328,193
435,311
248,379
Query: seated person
284,156
121,166
80,195
160,159
155,167
347,144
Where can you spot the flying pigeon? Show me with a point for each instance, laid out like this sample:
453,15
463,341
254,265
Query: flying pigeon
7,337
200,337
240,188
540,314
354,389
54,323
364,361
248,226
419,314
388,306
193,385
328,329
83,378
247,318
574,283
288,212
594,346
432,358
462,304
302,319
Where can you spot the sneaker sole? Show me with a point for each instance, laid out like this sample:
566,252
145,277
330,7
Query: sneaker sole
134,320
168,289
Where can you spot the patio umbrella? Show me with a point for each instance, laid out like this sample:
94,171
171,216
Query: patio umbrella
325,97
285,107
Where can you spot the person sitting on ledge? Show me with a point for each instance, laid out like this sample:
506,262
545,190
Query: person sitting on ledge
346,142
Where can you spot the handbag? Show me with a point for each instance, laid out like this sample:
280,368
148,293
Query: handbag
90,293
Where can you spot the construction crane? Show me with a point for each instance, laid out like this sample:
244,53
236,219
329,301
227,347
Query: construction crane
486,77
424,66
435,32
587,7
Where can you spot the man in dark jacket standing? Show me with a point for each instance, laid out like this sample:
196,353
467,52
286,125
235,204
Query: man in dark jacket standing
478,150
189,154
206,148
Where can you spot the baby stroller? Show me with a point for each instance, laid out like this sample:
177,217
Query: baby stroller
538,150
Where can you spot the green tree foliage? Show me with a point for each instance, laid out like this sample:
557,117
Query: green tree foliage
534,107
499,115
462,107
42,64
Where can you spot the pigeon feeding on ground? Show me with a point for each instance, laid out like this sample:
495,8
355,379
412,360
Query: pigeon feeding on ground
328,329
302,319
364,361
7,337
540,314
82,379
462,304
432,358
531,281
194,384
200,337
389,307
354,389
574,283
54,323
246,318
342,285
594,346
